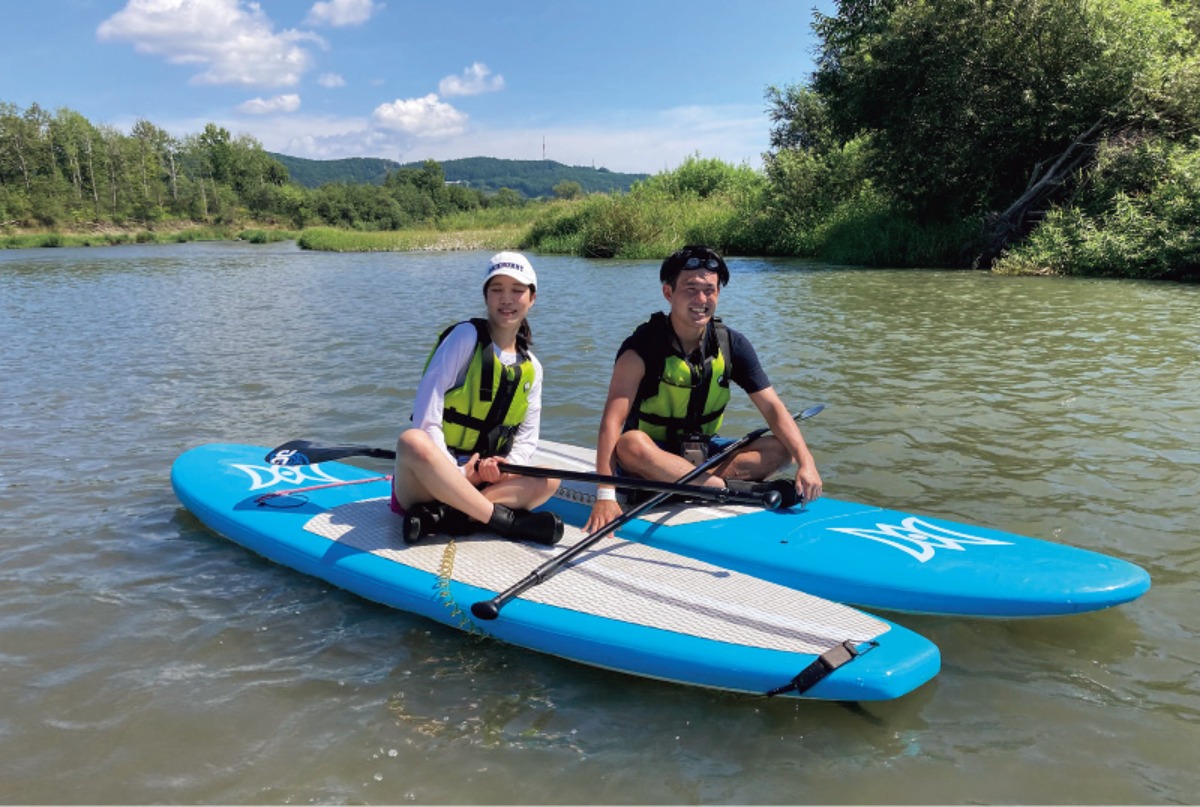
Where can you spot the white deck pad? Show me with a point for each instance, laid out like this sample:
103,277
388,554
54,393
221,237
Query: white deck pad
618,580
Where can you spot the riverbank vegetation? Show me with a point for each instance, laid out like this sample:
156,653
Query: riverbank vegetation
1059,135
112,236
1022,136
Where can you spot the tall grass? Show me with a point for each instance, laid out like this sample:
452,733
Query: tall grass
113,237
261,236
878,236
493,218
635,225
486,228
329,239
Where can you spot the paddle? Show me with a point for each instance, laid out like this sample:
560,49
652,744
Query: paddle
490,609
307,452
769,499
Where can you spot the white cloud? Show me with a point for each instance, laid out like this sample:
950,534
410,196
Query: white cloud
331,80
342,12
473,81
234,41
266,106
361,142
421,117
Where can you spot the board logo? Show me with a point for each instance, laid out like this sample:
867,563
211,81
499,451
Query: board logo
920,539
266,476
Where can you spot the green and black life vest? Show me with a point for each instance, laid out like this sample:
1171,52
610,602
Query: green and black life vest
483,414
679,395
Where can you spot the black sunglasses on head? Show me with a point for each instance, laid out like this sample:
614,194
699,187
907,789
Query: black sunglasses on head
695,263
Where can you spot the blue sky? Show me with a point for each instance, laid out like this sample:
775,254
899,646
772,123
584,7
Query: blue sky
629,85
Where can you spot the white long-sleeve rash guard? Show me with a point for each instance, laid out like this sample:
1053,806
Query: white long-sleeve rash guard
448,369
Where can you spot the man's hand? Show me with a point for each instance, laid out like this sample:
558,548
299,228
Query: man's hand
808,483
603,512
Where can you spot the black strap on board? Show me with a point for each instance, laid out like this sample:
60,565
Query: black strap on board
824,664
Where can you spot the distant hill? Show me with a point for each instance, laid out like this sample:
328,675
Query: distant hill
531,178
355,170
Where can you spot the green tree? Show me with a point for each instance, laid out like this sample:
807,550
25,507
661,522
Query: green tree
700,178
507,197
800,120
68,133
568,189
215,152
1137,215
963,99
17,142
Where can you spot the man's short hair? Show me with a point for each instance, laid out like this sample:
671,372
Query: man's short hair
692,257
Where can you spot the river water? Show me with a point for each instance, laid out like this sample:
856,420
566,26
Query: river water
146,660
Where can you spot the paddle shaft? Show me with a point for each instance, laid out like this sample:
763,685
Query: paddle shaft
307,452
490,609
768,499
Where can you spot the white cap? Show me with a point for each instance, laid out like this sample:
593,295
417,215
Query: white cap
513,264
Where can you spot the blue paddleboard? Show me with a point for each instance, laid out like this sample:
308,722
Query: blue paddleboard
871,557
623,605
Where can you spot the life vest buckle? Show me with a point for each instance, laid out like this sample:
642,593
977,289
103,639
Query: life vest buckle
695,448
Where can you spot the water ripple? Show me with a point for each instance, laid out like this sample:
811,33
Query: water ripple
147,659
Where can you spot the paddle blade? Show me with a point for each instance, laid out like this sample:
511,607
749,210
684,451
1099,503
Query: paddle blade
812,410
307,452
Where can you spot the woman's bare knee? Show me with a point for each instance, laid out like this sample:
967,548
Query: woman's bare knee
415,446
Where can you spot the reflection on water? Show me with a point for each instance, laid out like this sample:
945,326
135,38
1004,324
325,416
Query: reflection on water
147,659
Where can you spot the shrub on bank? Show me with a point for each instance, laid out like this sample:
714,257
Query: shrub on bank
261,236
868,231
1138,216
629,226
740,212
701,202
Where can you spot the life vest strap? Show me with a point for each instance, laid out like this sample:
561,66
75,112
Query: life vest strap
493,432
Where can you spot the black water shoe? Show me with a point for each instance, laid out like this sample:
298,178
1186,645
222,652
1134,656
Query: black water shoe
420,520
521,525
428,518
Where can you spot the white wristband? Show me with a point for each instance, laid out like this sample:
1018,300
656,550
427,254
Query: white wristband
606,494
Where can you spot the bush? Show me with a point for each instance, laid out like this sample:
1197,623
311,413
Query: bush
1138,215
701,202
616,226
699,178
